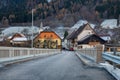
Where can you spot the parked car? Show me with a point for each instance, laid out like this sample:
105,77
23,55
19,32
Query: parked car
71,49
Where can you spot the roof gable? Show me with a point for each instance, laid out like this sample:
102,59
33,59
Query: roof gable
87,27
74,34
17,35
70,36
48,34
91,38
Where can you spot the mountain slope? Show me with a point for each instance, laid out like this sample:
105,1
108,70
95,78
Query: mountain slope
65,12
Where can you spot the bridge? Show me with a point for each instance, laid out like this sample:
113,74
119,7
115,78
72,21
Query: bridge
49,64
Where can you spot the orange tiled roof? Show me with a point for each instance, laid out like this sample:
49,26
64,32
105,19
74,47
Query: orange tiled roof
48,34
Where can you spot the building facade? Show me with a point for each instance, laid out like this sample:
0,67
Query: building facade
83,37
48,39
18,40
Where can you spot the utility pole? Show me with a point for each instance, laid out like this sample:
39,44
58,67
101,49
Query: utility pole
32,31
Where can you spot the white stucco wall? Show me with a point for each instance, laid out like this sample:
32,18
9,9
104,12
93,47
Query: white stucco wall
90,46
87,31
85,46
84,33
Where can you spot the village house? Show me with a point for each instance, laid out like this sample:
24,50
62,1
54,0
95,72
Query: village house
112,47
18,40
90,41
83,37
47,39
1,39
106,37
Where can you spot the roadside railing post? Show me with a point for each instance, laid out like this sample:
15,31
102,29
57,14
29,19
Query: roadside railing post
114,64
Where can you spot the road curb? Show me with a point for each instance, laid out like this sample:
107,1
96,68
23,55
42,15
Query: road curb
88,63
111,72
7,63
83,61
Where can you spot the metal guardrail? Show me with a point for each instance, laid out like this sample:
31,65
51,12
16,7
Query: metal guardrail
110,57
117,53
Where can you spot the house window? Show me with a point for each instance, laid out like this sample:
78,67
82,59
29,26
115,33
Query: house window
73,41
39,41
51,36
37,45
56,41
44,36
81,47
88,33
44,41
45,44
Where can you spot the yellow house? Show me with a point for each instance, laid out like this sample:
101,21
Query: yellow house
48,39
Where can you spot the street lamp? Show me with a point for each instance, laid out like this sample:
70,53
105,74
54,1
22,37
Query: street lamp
32,31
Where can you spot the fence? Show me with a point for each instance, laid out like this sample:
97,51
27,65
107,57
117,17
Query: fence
94,54
11,53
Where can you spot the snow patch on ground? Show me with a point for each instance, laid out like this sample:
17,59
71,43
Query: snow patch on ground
105,65
110,69
109,23
17,29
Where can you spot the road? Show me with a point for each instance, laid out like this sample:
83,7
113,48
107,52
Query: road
65,66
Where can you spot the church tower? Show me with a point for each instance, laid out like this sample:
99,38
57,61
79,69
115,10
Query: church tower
41,27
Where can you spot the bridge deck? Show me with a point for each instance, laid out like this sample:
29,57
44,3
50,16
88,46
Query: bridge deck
65,66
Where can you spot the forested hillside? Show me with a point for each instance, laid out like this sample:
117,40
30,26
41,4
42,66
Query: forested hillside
62,12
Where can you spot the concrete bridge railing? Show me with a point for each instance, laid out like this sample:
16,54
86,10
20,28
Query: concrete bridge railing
12,53
94,54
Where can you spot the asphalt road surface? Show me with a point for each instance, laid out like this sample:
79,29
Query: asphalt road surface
65,66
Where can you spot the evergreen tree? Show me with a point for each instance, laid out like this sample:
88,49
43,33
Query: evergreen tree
65,34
